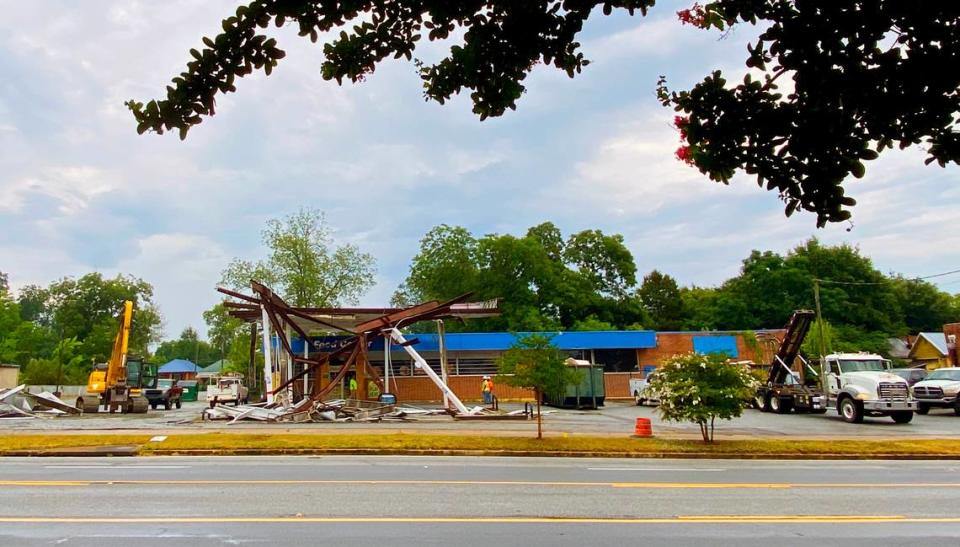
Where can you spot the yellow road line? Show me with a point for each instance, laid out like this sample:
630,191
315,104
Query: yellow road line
647,485
714,519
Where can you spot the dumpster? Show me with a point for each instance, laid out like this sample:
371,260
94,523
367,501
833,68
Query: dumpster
190,390
588,393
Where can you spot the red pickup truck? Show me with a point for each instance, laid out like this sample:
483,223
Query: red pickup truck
167,393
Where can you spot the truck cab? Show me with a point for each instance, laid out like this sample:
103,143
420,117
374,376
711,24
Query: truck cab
861,384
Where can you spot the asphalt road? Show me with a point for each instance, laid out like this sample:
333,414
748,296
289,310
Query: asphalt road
376,501
616,418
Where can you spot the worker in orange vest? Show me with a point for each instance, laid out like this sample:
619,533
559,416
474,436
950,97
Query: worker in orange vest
486,386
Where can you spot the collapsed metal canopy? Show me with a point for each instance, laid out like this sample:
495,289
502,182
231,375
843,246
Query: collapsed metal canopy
363,324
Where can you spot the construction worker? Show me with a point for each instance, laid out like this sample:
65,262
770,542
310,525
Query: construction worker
353,387
486,386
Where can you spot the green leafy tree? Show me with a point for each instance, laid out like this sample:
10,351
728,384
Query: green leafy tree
861,76
544,282
871,95
190,347
66,366
603,260
304,266
661,299
222,328
700,307
700,388
593,324
925,307
533,362
87,308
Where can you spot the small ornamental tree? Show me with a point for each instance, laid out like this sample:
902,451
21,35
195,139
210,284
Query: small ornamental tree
533,362
701,388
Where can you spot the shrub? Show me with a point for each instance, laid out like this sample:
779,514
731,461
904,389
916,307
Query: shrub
701,388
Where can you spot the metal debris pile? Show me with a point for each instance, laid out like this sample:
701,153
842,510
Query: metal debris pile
18,403
339,410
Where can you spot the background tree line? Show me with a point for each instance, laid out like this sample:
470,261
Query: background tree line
588,281
59,331
545,282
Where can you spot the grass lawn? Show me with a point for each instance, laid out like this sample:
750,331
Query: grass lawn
228,443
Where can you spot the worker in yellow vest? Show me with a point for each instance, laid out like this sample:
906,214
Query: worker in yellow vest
486,386
353,387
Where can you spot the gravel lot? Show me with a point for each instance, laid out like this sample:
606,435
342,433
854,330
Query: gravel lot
616,418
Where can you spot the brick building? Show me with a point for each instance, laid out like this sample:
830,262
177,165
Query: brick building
623,354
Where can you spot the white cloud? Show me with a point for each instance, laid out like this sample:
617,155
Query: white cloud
72,187
633,170
184,269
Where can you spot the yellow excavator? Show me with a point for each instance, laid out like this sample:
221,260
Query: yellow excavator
118,384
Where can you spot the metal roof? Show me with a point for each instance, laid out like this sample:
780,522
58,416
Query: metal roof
937,339
178,366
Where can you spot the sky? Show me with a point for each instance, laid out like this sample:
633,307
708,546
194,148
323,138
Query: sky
83,192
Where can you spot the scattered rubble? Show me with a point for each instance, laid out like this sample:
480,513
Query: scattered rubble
18,403
340,410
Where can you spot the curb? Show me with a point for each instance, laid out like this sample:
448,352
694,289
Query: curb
91,452
535,454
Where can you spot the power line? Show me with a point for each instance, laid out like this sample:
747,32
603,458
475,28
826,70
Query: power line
832,282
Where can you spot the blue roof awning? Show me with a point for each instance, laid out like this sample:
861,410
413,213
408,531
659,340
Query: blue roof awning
499,341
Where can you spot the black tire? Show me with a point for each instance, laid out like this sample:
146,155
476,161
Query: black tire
761,402
178,403
166,405
850,410
923,408
637,399
956,409
153,406
775,404
236,402
902,417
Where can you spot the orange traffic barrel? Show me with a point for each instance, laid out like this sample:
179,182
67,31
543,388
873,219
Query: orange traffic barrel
643,428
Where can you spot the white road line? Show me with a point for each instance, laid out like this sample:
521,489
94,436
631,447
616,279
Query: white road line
116,466
685,470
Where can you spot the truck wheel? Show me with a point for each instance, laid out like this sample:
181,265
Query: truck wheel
902,417
166,405
923,408
637,399
178,403
760,402
775,404
851,411
153,405
785,406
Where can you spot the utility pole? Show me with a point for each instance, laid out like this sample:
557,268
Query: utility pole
823,341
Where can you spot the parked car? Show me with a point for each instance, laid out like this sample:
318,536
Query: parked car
941,389
911,375
642,392
167,393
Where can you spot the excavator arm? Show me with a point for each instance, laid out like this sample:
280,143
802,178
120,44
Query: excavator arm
117,366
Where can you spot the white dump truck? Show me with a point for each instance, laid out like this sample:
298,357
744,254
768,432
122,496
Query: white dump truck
861,384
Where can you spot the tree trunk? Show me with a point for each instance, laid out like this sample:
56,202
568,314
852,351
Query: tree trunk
712,418
704,432
536,393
